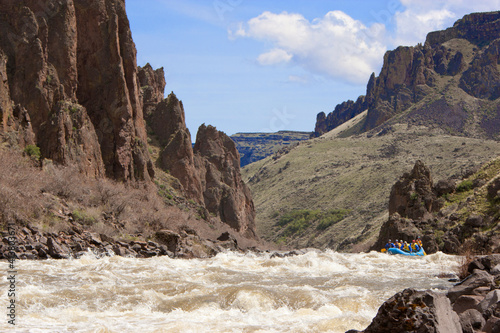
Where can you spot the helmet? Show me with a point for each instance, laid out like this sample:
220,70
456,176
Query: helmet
396,240
389,240
413,241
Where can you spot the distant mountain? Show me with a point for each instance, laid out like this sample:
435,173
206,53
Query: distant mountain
256,146
437,103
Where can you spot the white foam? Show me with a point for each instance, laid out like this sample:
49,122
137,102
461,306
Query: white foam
232,292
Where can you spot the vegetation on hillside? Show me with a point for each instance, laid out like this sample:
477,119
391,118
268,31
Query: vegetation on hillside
356,174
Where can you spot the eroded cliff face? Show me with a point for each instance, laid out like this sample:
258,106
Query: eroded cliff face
463,58
209,172
224,192
72,66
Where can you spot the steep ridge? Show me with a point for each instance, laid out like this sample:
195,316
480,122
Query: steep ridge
454,75
73,100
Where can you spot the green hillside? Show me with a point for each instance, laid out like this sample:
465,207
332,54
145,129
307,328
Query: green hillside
353,174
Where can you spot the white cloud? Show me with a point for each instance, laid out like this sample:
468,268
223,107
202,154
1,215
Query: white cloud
340,47
335,45
422,16
298,79
274,57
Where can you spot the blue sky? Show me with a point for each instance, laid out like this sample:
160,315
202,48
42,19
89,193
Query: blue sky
264,66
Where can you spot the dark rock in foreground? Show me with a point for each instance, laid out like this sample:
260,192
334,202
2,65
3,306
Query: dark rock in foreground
472,305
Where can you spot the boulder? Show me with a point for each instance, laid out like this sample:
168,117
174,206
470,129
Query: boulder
467,286
492,325
487,262
475,221
56,250
471,321
443,187
491,299
466,302
416,311
168,238
494,189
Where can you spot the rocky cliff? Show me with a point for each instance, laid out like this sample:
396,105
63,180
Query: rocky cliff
416,83
72,95
56,66
209,172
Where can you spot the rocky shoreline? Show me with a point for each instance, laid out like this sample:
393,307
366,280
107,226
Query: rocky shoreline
470,306
31,243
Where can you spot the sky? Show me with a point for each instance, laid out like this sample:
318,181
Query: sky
270,65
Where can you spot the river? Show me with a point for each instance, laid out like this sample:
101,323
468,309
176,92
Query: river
232,292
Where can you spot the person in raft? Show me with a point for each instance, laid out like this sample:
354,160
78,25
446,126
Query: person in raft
389,245
406,247
414,246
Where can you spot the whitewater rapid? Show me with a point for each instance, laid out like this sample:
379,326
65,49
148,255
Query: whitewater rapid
232,292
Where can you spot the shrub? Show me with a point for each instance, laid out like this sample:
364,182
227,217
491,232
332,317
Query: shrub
298,220
331,217
33,151
465,186
83,217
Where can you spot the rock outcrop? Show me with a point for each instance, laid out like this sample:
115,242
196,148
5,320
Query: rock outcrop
468,52
224,192
209,172
71,92
72,66
342,113
413,196
449,216
152,84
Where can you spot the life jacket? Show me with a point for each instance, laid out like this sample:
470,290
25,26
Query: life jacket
406,247
415,247
419,241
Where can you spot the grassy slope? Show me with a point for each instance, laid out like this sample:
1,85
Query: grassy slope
353,173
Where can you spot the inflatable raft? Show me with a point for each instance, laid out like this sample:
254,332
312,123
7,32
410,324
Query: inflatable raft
393,250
